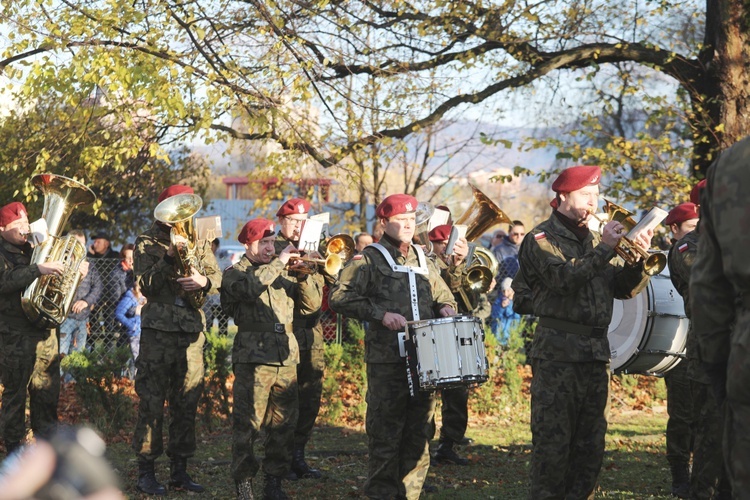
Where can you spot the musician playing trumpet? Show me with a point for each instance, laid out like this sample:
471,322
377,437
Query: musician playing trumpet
29,361
388,284
259,293
569,277
170,362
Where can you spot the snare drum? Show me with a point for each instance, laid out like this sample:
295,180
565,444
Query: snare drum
449,352
648,333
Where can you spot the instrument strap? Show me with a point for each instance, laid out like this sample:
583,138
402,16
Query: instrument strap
411,271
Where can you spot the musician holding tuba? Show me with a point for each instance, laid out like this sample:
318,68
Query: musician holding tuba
170,362
261,296
570,277
29,361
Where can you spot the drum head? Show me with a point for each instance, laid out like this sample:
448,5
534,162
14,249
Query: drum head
629,323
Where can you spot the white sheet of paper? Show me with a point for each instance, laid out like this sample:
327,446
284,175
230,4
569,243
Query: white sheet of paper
38,231
309,239
439,217
325,217
652,219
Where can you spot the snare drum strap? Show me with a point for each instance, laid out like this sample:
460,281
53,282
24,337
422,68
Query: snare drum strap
411,271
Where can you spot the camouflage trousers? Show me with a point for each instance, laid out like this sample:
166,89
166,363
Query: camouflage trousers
264,396
170,368
680,410
737,421
29,365
310,382
708,478
569,407
398,433
455,413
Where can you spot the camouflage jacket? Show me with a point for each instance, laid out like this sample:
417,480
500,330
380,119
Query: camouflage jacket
307,307
15,275
261,298
720,278
576,282
453,277
368,288
155,272
681,259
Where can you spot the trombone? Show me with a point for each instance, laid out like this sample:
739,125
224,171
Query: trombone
630,251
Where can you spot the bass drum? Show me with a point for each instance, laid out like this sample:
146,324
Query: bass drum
648,333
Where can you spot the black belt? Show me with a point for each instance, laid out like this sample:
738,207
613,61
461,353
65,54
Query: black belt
267,327
570,327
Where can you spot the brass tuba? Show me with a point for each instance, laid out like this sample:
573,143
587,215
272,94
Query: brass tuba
653,263
47,300
178,211
422,226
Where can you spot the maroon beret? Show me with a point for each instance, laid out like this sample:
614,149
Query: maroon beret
681,213
575,178
255,230
695,194
174,190
396,204
440,233
11,212
293,206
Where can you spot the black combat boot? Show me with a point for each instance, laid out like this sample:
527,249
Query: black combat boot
272,489
445,454
180,479
244,489
680,481
147,482
300,468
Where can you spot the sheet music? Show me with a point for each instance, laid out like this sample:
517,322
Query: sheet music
38,231
652,219
439,217
309,239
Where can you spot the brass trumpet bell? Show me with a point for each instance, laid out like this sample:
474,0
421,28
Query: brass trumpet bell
331,264
627,249
341,245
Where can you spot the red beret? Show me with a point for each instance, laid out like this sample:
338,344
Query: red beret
440,233
294,206
575,178
396,204
695,194
255,230
681,213
11,212
174,190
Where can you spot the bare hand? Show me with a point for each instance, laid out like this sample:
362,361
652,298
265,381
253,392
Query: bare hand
394,321
289,252
644,239
446,311
195,281
460,251
612,232
171,250
55,267
83,268
493,284
79,306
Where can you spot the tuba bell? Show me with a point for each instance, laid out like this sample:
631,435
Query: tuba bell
422,225
47,300
178,211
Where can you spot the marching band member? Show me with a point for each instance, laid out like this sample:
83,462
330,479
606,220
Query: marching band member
260,295
387,285
568,273
170,362
29,361
455,412
309,333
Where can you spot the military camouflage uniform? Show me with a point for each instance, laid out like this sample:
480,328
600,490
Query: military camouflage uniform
309,333
708,477
170,362
454,412
261,298
29,361
572,285
397,424
719,284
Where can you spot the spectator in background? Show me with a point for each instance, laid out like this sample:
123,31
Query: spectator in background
74,329
506,251
361,240
101,247
121,277
212,308
377,233
128,312
504,319
497,238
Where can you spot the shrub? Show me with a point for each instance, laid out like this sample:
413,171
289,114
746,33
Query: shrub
215,401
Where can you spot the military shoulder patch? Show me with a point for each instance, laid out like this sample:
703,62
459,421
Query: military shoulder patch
540,236
357,257
683,248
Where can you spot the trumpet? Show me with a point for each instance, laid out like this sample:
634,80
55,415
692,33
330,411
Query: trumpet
631,252
331,264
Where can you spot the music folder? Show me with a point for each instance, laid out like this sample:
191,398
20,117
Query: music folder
208,228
